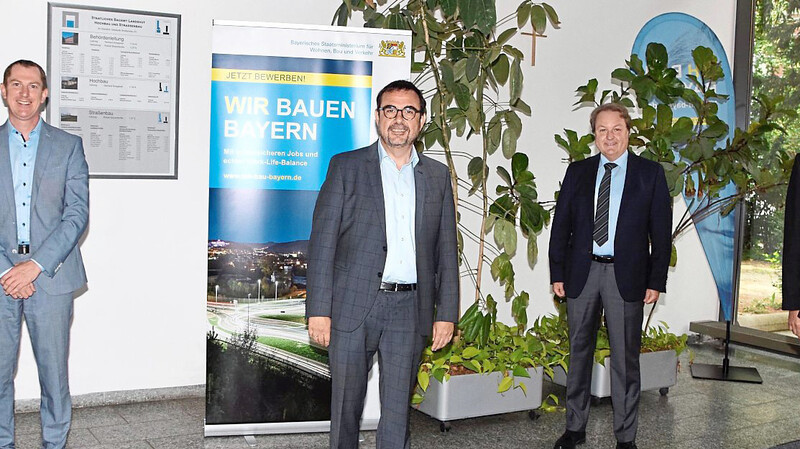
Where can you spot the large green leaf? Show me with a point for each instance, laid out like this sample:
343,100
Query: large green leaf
538,19
448,75
533,250
480,14
505,236
462,96
503,173
473,67
520,371
515,90
470,352
494,131
510,137
623,75
342,14
474,115
551,14
657,57
396,22
521,106
664,120
500,69
506,35
448,6
523,12
505,384
519,163
423,379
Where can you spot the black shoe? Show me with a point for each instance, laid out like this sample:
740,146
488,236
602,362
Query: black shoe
570,439
628,445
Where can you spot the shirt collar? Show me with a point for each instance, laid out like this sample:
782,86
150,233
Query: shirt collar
622,161
34,132
382,154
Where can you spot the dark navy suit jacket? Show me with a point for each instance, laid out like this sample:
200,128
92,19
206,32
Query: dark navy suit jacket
791,242
642,246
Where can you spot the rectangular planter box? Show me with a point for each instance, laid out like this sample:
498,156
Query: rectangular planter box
473,395
658,370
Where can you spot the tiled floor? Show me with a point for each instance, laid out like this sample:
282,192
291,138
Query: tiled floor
695,414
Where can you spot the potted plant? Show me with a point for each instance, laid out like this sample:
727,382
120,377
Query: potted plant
503,374
658,360
473,80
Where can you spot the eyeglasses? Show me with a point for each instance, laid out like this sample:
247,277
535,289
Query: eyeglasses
390,111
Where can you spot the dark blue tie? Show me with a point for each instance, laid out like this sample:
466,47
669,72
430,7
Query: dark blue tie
600,234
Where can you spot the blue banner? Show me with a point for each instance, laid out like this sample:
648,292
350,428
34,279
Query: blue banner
284,100
682,33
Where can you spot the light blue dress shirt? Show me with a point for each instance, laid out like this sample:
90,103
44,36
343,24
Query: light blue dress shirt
615,198
23,158
399,199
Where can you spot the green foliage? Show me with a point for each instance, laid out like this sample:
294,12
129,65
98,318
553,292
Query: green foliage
707,160
477,85
478,82
295,347
554,329
698,157
763,305
659,338
487,346
776,73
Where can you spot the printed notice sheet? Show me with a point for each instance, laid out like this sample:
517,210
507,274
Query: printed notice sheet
113,80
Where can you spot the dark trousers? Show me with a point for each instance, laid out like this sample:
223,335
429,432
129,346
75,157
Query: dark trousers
390,330
624,322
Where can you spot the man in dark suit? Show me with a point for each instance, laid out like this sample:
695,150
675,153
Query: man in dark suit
791,250
382,267
44,205
609,252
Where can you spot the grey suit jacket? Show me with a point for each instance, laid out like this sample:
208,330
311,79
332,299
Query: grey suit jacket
59,209
347,250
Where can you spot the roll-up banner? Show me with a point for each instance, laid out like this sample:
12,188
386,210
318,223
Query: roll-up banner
284,100
681,34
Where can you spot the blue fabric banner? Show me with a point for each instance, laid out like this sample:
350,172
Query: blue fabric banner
682,33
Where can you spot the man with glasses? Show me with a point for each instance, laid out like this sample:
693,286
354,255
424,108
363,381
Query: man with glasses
382,268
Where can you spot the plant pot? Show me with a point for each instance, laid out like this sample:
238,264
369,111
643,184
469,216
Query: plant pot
659,371
473,395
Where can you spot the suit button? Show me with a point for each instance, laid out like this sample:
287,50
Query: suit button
384,248
380,274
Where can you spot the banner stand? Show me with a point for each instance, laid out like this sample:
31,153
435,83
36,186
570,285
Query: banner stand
725,371
284,100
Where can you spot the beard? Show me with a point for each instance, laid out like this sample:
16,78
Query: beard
391,139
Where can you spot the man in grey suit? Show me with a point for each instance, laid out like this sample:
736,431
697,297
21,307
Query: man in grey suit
610,247
44,205
382,268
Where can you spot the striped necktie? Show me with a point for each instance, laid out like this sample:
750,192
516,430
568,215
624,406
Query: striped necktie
600,234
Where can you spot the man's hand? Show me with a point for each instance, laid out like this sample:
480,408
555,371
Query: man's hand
24,292
319,329
19,278
794,322
558,289
651,296
442,334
